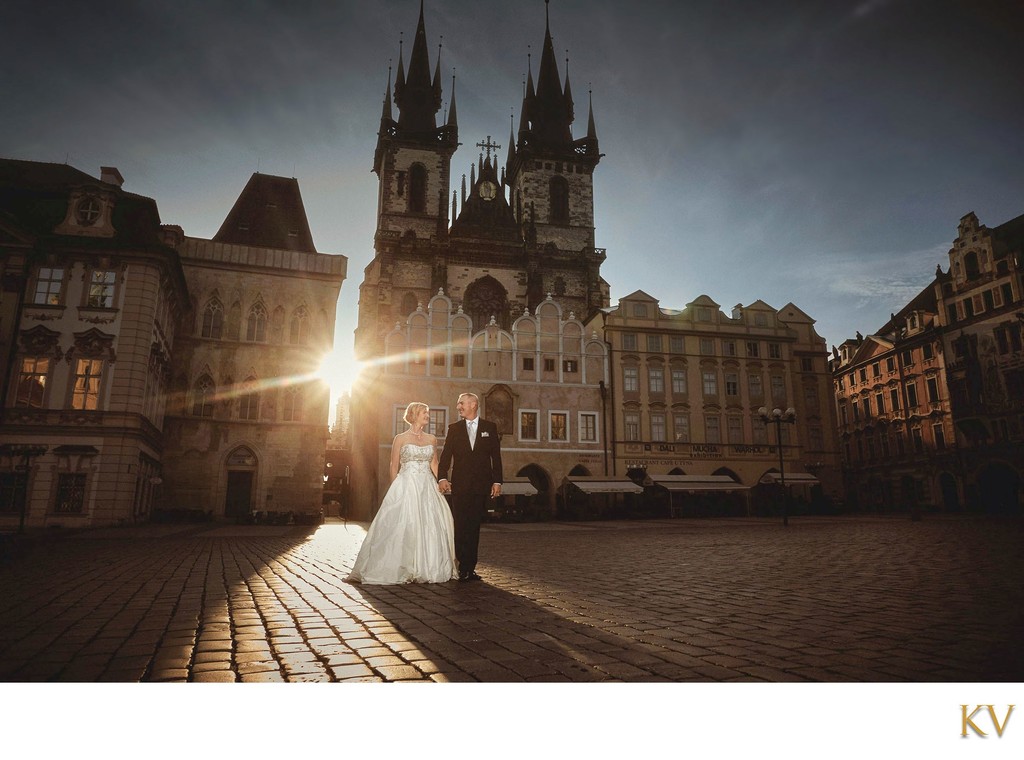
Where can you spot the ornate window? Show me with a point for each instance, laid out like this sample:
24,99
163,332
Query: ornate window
681,422
32,382
86,390
256,327
292,405
49,286
203,397
657,426
679,381
213,320
101,289
486,298
631,424
249,400
70,498
299,332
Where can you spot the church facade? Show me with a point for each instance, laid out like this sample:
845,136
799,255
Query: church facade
486,289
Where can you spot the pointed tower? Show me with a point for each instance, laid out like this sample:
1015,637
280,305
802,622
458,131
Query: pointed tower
412,162
413,155
550,174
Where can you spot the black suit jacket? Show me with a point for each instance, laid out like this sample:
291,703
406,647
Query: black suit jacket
475,469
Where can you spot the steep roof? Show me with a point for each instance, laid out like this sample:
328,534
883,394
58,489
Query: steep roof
268,214
34,195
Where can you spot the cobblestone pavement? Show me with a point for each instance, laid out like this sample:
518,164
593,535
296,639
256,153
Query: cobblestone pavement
826,599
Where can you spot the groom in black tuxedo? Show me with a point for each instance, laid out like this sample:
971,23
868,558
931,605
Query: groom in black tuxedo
474,446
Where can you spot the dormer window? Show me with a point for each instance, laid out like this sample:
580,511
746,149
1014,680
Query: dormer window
87,212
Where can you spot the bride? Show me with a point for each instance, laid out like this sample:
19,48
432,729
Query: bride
412,537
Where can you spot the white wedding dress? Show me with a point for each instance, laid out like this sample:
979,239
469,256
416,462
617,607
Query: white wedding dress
412,538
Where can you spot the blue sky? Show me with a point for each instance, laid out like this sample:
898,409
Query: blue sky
819,153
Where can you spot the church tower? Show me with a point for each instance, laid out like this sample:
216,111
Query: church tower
518,234
483,286
412,162
549,174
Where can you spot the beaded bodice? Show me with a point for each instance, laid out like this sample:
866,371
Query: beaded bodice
414,458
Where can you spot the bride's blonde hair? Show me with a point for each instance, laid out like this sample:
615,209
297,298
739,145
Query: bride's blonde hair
413,409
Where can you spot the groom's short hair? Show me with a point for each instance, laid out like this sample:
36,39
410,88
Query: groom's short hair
473,396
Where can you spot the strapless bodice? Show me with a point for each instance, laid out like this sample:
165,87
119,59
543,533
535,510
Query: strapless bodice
415,459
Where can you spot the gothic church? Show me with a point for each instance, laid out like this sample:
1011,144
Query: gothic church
516,242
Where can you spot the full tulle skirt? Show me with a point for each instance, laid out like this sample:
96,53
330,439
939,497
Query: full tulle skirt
412,538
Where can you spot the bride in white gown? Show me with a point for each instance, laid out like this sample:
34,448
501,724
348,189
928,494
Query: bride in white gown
412,537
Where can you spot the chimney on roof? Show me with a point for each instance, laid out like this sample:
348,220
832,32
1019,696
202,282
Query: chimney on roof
111,175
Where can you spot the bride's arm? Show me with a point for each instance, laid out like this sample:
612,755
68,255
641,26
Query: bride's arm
396,453
433,459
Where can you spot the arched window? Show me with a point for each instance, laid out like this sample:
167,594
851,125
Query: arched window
256,327
249,400
409,304
202,397
417,188
299,333
292,405
486,298
559,197
213,319
971,267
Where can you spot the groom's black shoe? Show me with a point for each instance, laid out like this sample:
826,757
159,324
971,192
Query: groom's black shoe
469,577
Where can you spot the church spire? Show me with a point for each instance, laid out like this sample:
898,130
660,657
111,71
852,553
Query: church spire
417,97
452,119
550,117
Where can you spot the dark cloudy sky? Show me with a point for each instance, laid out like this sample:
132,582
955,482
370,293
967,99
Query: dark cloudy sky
814,152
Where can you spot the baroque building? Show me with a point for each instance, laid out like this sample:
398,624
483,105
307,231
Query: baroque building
511,254
146,370
934,402
92,295
896,432
687,387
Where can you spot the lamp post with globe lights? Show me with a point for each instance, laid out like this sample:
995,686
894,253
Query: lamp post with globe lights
778,417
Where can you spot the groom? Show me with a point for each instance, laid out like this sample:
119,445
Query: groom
473,444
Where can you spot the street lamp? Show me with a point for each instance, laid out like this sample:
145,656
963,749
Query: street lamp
777,417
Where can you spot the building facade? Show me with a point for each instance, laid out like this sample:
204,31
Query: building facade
92,295
943,383
248,427
145,370
896,431
507,269
541,382
687,386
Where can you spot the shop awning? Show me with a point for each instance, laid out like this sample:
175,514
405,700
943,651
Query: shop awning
697,483
604,485
518,487
795,478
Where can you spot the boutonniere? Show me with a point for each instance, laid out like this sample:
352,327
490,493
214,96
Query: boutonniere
485,434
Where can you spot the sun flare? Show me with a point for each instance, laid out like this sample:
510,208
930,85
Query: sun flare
338,369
